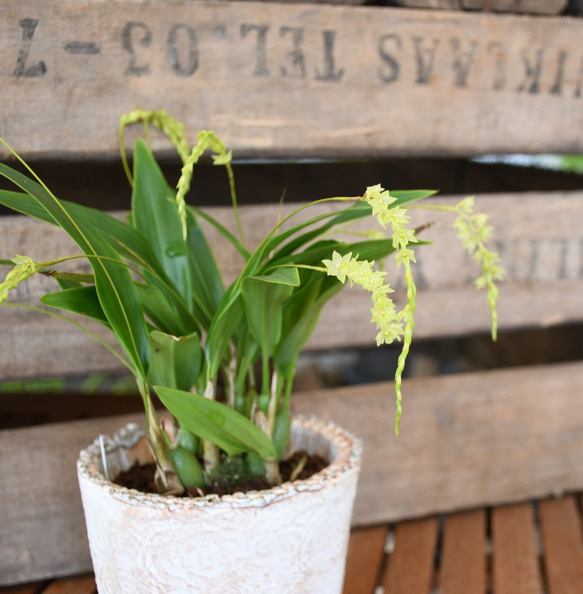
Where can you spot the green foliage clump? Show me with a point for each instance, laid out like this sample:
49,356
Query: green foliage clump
182,332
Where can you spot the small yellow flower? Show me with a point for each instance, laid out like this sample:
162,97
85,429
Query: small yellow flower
339,266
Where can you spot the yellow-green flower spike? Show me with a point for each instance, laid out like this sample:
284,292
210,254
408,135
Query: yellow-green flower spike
473,230
25,267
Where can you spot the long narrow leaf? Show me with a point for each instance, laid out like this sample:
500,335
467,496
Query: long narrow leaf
155,214
216,422
79,300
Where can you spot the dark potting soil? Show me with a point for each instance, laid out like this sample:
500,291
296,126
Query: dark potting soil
141,477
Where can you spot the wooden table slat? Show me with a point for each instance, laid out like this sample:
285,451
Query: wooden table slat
463,554
410,567
515,559
562,544
365,555
76,585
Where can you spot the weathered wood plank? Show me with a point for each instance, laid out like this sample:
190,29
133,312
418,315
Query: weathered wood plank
515,560
411,564
463,554
290,80
456,433
365,555
543,284
43,528
549,7
562,545
452,454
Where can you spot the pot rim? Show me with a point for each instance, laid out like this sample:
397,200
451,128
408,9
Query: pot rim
348,458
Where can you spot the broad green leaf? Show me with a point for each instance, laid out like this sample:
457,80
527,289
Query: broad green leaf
207,284
165,314
155,214
175,362
216,422
263,297
79,300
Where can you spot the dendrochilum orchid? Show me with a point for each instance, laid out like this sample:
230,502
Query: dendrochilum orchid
182,333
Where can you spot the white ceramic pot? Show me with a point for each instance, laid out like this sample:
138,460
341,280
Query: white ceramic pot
285,540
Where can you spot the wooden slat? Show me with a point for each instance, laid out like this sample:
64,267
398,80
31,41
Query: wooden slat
285,79
543,283
365,555
516,6
76,585
463,554
43,527
456,435
562,544
515,558
411,564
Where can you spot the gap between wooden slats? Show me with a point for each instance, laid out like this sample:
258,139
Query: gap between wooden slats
515,560
562,539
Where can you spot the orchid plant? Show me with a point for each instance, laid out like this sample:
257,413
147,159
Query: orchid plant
181,332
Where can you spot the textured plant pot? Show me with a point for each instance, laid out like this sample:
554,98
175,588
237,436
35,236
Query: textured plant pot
289,539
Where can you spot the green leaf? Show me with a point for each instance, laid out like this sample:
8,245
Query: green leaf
175,362
263,297
225,324
300,316
207,284
79,300
216,422
164,313
155,214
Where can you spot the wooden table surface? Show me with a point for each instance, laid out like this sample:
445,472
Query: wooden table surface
526,548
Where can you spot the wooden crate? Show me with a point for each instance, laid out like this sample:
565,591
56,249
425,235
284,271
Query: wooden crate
285,80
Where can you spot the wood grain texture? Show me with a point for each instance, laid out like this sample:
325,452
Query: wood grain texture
548,7
365,555
463,554
543,283
515,555
562,536
410,567
290,80
44,533
456,432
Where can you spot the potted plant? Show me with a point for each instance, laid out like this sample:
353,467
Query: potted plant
183,334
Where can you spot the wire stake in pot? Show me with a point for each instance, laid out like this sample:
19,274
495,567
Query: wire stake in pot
103,457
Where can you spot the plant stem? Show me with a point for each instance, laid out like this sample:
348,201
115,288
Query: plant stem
166,479
211,454
271,466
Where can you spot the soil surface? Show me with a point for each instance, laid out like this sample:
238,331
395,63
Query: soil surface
300,466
